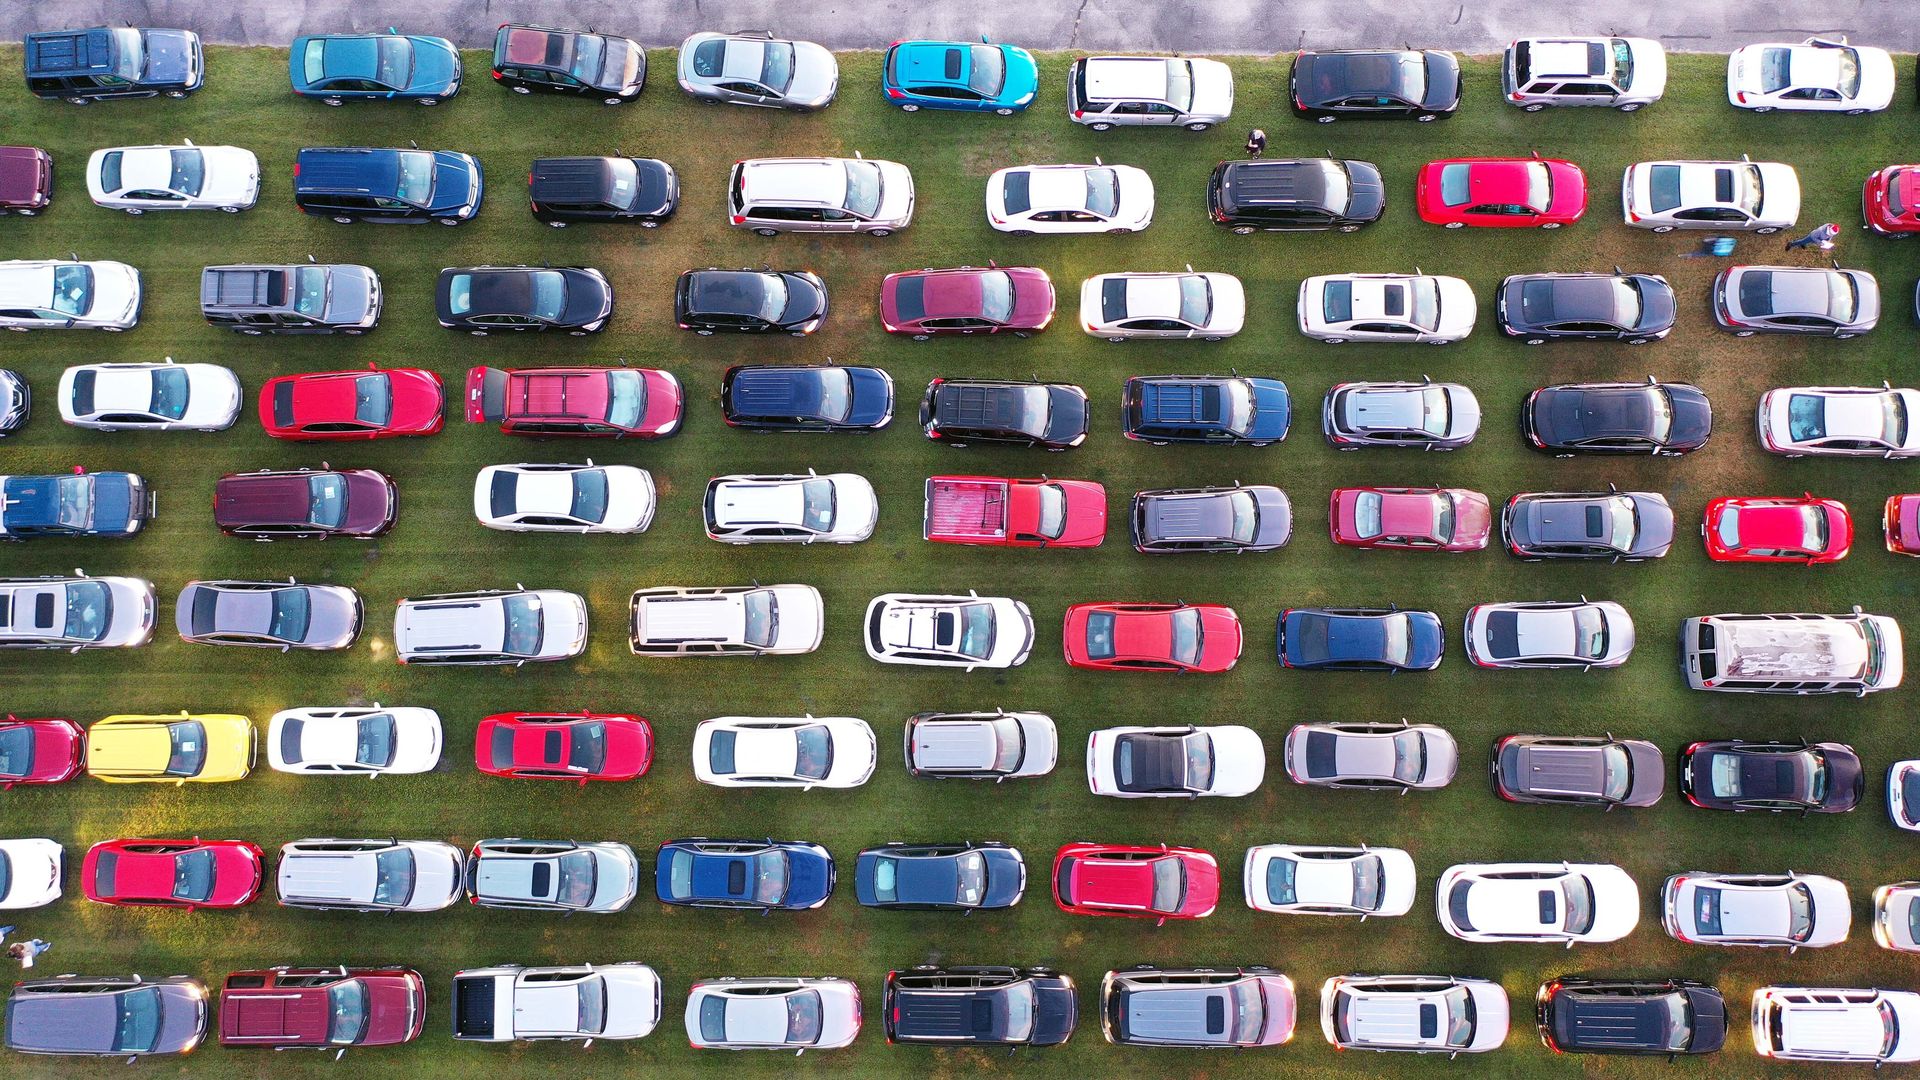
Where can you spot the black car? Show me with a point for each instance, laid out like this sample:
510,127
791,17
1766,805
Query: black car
1624,526
714,301
1608,1016
780,397
1577,770
482,299
1538,308
1738,775
1003,1006
549,60
1296,195
568,189
1663,419
1374,83
1049,415
961,877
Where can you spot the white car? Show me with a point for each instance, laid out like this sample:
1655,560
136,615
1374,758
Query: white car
727,620
508,626
1548,901
1301,879
1420,1014
535,497
76,613
1614,72
1786,911
1896,916
1825,1023
142,178
1903,794
747,508
1760,197
32,869
1841,421
1175,762
949,631
352,740
773,1014
820,195
49,294
1817,75
802,752
1097,198
1549,634
1211,307
1430,309
150,397
371,875
1104,91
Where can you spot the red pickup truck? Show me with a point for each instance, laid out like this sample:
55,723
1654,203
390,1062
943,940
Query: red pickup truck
998,512
330,1008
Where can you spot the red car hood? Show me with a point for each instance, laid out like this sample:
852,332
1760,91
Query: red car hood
56,751
1086,524
370,500
1907,517
396,1008
19,174
1220,638
1472,522
664,400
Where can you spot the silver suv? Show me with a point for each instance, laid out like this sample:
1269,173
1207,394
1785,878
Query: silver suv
731,620
1422,1014
981,746
1855,653
825,195
1618,73
506,626
1105,91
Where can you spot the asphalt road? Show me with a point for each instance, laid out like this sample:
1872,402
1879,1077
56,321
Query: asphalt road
1218,26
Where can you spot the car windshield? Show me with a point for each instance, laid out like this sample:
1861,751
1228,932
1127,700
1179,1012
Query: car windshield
1539,187
346,1012
292,613
1052,508
1425,292
773,297
393,877
812,752
1366,882
193,876
863,188
1660,414
587,749
588,51
776,65
1624,523
1237,395
1843,297
1622,64
1185,625
1813,528
976,631
1806,417
1460,1014
623,179
577,873
836,393
169,392
1578,892
1893,419
373,399
1169,885
1616,773
626,398
817,505
1246,517
129,53
89,610
989,71
374,740
589,495
1196,300
769,877
16,760
1799,911
1848,80
1396,643
524,625
188,173
416,177
310,291
1249,1013
1033,410
1016,1011
1366,514
1409,757
1725,780
803,1018
72,288
137,1025
1103,192
762,615
1435,410
1748,198
1010,746
996,296
327,499
1180,85
1199,753
549,294
593,1006
970,870
1589,633
394,66
186,748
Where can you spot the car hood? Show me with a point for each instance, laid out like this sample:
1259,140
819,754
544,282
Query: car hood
809,879
1846,781
1657,306
816,75
1276,516
1443,82
456,181
1272,409
872,396
1368,197
1212,88
1239,759
1006,878
1649,774
1692,417
435,65
1655,534
170,55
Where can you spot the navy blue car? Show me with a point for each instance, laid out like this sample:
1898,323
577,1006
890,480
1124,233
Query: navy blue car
84,66
1223,410
74,504
940,877
743,874
1361,639
781,397
351,184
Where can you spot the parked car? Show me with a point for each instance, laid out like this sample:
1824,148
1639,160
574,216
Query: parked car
995,511
728,620
714,301
1295,195
1793,653
49,294
743,875
378,403
1421,1014
1834,303
1191,92
1428,309
993,746
82,1016
1386,756
574,1003
1816,75
1538,308
1890,201
387,185
1620,526
338,68
1374,84
1903,794
1430,519
966,300
482,299
577,747
1500,193
1423,415
1622,73
310,298
204,748
1132,881
188,177
1181,638
1553,902
1801,530
1224,410
1759,197
497,626
76,613
268,614
1788,911
1900,524
802,752
1662,419
79,503
756,68
598,878
1237,519
288,1008
1180,306
187,874
1831,1024
1175,762
962,76
580,402
1586,634
958,412
81,67
326,874
1360,639
40,750
1237,1007
964,877
1743,774
1894,917
827,397
979,1005
797,1014
149,397
820,195
541,497
16,402
1057,199
34,867
581,63
1580,1015
949,631
563,190
1578,770
354,740
1296,879
743,508
26,180
1840,421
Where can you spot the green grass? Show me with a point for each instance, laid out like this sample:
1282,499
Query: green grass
438,546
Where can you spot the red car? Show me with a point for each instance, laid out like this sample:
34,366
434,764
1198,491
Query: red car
967,300
1901,522
1429,519
1803,530
26,180
371,404
191,874
1891,201
46,750
563,746
999,512
622,402
1152,637
1501,193
287,1008
286,504
1135,882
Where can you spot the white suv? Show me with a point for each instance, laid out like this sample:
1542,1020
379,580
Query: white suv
370,875
1104,91
1867,1027
727,620
949,631
509,626
1422,1014
828,195
838,508
1618,73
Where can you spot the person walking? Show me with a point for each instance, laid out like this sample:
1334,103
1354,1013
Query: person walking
1822,237
25,951
1256,142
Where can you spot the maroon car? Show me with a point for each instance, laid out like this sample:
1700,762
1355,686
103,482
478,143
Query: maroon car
305,504
26,179
967,300
45,750
322,1008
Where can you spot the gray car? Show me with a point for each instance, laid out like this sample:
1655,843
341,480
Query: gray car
752,67
1834,303
1205,1007
268,614
1387,756
1578,770
1425,415
1236,519
1624,526
324,298
107,1015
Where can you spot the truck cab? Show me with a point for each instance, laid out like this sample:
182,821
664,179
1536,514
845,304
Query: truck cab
83,66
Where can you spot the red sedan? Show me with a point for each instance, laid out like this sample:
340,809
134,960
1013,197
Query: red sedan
46,750
1135,882
967,300
1901,522
371,404
191,874
1891,201
1428,519
1501,193
568,746
1803,530
1152,637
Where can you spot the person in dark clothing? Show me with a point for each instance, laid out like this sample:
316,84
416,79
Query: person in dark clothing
1256,142
1822,236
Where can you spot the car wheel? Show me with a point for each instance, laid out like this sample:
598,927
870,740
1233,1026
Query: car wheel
556,224
449,222
798,333
649,224
1347,449
1844,337
79,101
1118,232
1021,334
1856,112
923,337
1536,341
799,109
1564,457
343,219
428,100
108,329
521,90
30,213
1743,333
333,101
707,100
613,101
576,333
1099,127
1243,230
230,209
1549,224
879,232
1323,119
1003,112
1638,341
1535,107
1456,225
133,211
353,333
1426,118
1766,232
909,108
1440,341
1020,232
1116,340
1213,337
176,94
478,333
1763,109
1349,228
252,333
1630,107
1663,228
768,232
704,333
1334,340
1199,127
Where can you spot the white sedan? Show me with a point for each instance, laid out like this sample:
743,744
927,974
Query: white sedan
1422,308
354,740
1903,794
32,873
1549,634
534,497
150,397
1301,879
949,631
1786,911
1550,902
1760,197
1211,307
1097,198
1841,421
802,752
773,1014
1817,75
47,294
1175,762
142,178
1896,916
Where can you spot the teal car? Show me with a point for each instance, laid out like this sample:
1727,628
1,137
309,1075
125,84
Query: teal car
337,68
959,75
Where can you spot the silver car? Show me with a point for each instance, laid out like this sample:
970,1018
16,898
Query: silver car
553,875
107,1016
1425,415
268,614
1833,303
1759,197
1106,91
1399,756
330,874
822,194
753,67
1237,519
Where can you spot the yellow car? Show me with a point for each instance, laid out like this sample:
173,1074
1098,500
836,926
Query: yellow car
206,749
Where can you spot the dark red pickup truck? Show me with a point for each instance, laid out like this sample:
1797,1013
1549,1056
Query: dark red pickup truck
998,512
322,1008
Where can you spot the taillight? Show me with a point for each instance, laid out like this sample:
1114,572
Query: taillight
1517,96
894,92
1078,113
296,168
1740,96
739,220
496,75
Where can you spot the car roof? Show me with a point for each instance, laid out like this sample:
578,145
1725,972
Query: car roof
1564,58
786,181
1128,78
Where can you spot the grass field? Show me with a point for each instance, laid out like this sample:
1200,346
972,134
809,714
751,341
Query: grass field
437,546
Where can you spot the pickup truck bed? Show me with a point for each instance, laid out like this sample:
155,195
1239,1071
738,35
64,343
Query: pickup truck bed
240,288
966,510
473,1004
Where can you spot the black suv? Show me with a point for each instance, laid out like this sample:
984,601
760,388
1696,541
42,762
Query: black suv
716,301
1003,1006
84,66
780,397
1604,1016
1049,415
541,58
569,189
1296,195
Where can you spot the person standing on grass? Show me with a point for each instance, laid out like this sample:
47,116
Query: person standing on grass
1256,142
1822,236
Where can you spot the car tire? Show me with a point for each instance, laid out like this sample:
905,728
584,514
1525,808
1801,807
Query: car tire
133,211
1003,112
767,232
79,101
356,332
1334,340
250,332
1199,127
1455,225
1766,232
1348,229
520,90
1536,341
176,94
1662,228
1323,119
799,109
21,329
343,219
333,101
1440,341
879,232
30,212
1100,127
1633,106
649,224
1743,333
923,337
1426,118
1243,230
1020,232
704,333
556,224
1638,341
449,222
1550,224
909,108
1118,232
1213,337
1845,337
478,333
1116,340
1022,334
231,209
1856,112
1534,107
428,101
613,101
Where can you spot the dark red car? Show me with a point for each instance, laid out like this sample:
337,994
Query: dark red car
622,402
1428,519
1152,637
967,300
372,404
1891,201
563,746
45,750
1802,530
187,874
290,1008
1501,193
1901,522
304,504
1135,882
26,179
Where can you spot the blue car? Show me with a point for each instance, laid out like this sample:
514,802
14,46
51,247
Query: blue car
337,68
1221,410
828,397
74,504
743,874
1361,639
359,183
940,877
959,75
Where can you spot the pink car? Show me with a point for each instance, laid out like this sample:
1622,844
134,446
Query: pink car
1435,519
